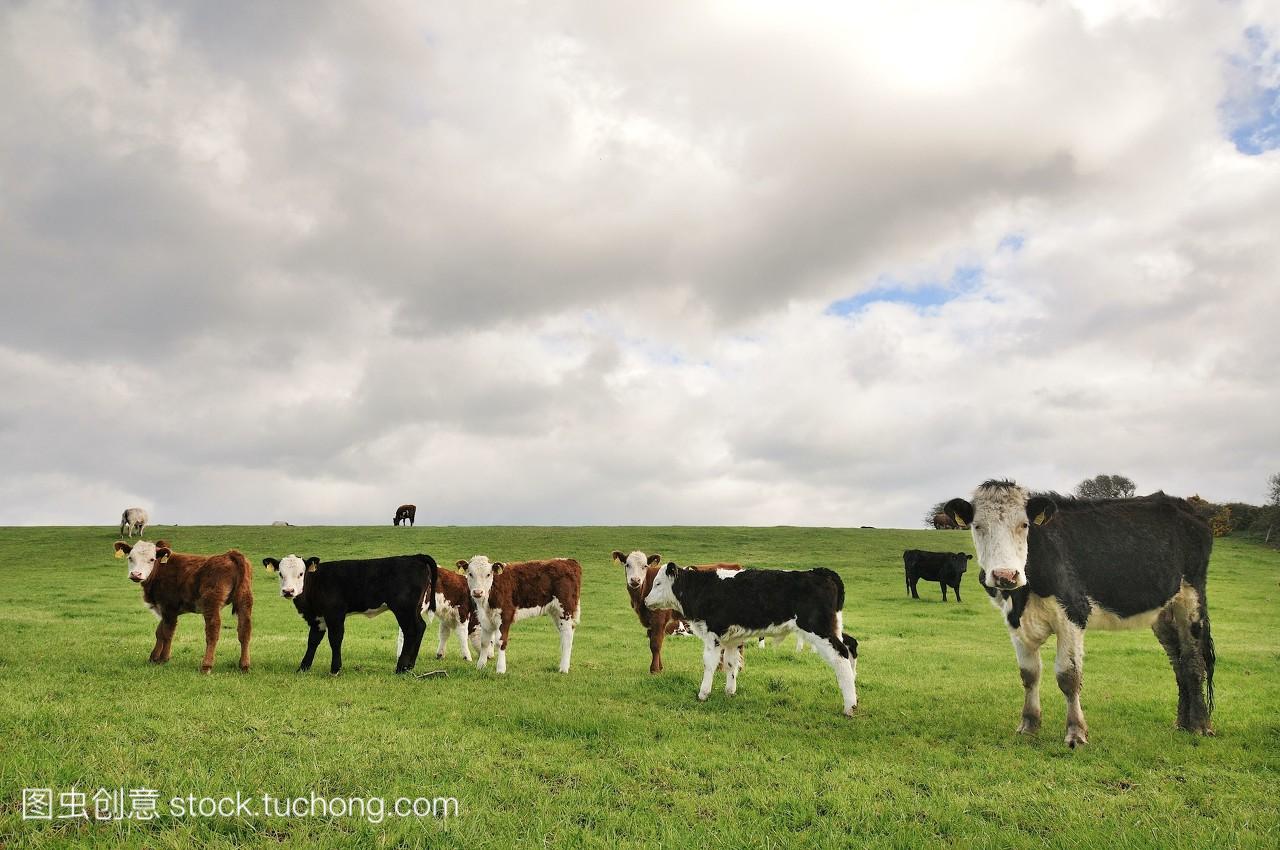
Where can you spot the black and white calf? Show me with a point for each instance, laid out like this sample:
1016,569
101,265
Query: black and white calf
946,568
1055,565
325,594
727,608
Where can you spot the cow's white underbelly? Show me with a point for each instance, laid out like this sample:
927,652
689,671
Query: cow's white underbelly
734,635
373,612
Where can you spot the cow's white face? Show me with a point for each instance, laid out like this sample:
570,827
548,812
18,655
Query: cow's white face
1000,520
662,595
292,572
143,557
480,572
636,564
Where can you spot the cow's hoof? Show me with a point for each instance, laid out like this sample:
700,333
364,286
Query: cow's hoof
441,655
206,670
1076,737
703,697
1029,726
244,668
304,668
335,672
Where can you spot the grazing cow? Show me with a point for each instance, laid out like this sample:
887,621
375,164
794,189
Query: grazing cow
941,521
280,524
133,521
456,613
507,593
726,608
946,568
174,583
325,594
640,571
405,514
1056,565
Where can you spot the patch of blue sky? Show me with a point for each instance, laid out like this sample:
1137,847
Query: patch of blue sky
1251,111
1013,243
922,296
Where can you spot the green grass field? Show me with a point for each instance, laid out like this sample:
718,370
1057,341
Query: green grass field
609,755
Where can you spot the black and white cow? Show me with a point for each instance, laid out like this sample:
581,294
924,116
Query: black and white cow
1056,565
946,568
325,594
726,608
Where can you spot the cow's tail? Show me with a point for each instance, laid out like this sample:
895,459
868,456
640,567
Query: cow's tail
243,577
430,594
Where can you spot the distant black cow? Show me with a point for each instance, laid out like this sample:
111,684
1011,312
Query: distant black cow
405,514
728,607
1054,565
325,594
946,568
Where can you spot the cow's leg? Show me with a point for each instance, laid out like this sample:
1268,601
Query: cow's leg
164,639
1068,666
212,626
1179,629
413,627
836,654
956,588
244,629
443,643
336,626
313,640
943,585
657,632
504,631
464,642
566,627
912,581
732,663
486,647
710,661
1028,651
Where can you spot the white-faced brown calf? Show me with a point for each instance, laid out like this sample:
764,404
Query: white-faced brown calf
174,583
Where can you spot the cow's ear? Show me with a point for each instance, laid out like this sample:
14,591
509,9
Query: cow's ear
670,569
162,554
312,563
498,567
968,557
162,544
654,560
1040,509
460,565
122,548
618,556
960,511
271,564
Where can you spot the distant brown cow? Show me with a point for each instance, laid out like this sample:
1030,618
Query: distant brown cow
640,571
175,583
942,521
405,513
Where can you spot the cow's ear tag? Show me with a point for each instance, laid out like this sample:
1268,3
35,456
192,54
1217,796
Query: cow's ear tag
312,568
165,559
1042,518
119,553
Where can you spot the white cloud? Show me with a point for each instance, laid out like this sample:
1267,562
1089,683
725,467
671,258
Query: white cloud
570,265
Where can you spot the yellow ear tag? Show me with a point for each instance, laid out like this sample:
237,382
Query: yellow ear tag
119,553
165,559
312,568
1041,519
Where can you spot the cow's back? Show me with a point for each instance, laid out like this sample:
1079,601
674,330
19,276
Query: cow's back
531,584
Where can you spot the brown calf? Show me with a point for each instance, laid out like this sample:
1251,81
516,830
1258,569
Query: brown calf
174,583
506,593
658,624
455,612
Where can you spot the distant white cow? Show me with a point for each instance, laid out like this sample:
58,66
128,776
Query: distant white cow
133,521
280,524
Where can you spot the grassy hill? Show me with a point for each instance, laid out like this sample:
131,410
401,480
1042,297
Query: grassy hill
609,755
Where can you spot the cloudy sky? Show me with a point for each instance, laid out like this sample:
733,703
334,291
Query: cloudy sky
595,263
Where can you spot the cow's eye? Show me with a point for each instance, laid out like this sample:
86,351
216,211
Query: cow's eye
1024,526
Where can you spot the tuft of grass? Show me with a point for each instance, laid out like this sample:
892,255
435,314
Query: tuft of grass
609,755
